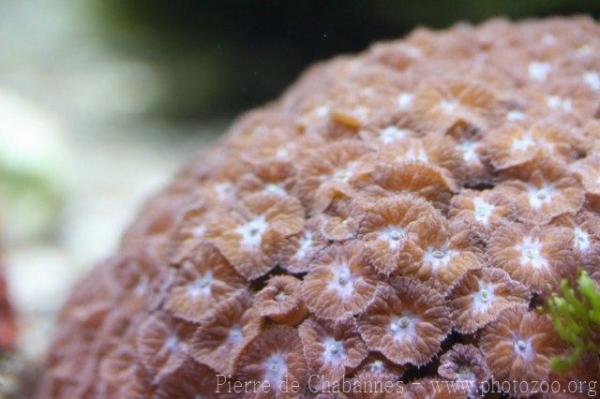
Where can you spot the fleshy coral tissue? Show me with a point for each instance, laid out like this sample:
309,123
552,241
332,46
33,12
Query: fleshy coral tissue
389,228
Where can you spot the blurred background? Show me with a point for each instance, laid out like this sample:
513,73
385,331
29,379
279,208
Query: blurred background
101,100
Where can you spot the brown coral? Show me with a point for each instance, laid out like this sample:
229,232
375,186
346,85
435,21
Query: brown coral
435,149
481,296
162,344
483,210
396,130
519,345
274,360
341,219
252,234
588,170
190,381
387,226
428,181
464,363
332,169
304,247
435,389
512,144
441,105
218,340
121,375
544,190
280,300
203,280
535,256
377,368
191,230
341,283
585,228
272,176
395,213
332,349
407,323
440,253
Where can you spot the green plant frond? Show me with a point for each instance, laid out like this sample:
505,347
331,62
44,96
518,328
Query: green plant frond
588,289
564,364
572,300
575,314
595,315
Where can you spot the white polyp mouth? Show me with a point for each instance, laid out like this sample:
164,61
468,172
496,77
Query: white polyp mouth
584,51
276,369
539,70
484,295
531,253
469,151
483,299
252,232
540,196
342,280
394,236
199,231
305,244
515,116
582,239
438,257
416,154
524,348
405,100
559,103
377,367
392,134
171,343
235,335
592,79
141,288
334,351
280,296
344,174
223,190
402,327
412,51
275,189
465,372
448,106
202,285
523,143
438,253
282,153
400,324
322,111
483,210
361,112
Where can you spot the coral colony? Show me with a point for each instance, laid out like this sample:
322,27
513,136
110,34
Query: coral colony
391,227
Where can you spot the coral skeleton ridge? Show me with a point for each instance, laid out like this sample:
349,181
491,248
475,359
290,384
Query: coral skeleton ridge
395,217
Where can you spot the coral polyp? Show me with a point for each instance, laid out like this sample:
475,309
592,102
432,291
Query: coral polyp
395,220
